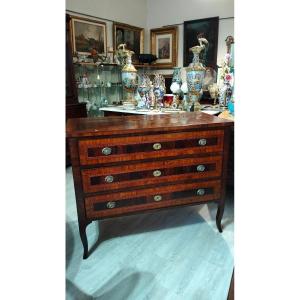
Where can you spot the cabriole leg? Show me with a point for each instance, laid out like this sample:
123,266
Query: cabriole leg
219,216
82,230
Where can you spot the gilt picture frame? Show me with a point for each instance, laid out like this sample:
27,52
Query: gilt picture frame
88,34
130,35
164,45
209,29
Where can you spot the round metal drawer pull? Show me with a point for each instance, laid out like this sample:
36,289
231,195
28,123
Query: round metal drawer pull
156,146
200,168
202,142
157,197
200,192
106,151
156,173
111,204
109,179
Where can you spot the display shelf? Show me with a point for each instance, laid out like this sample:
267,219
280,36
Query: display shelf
95,64
98,85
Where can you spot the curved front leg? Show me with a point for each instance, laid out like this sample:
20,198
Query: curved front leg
219,216
82,231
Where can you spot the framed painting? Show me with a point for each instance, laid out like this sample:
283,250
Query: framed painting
132,36
164,46
207,28
87,35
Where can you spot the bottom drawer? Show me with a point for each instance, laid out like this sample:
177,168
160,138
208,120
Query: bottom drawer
114,204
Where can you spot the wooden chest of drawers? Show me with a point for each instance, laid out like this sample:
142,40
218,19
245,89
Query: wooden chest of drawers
124,165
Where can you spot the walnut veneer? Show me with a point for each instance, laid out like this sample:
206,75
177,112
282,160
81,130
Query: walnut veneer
133,164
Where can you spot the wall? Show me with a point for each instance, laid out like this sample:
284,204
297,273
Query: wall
169,12
133,12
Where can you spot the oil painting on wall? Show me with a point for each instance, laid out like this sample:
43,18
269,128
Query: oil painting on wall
132,36
87,35
207,28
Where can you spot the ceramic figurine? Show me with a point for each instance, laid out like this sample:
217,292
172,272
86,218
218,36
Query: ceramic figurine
214,92
159,90
203,43
120,54
143,89
151,96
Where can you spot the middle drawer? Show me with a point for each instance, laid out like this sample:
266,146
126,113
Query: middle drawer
131,175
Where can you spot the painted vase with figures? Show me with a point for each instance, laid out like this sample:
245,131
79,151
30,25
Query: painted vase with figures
195,73
129,79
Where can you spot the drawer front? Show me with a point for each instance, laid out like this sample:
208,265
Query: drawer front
109,150
125,202
142,174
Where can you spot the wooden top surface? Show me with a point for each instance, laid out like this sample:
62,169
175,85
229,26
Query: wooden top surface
226,115
81,127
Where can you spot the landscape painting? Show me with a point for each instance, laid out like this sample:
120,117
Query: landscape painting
88,35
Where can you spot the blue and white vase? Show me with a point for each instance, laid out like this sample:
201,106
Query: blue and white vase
159,90
143,89
177,75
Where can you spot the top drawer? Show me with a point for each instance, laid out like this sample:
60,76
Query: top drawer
107,150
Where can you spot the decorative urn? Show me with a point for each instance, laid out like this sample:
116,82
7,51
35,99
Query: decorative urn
129,78
195,73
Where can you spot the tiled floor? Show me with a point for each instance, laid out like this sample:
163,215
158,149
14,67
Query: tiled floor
169,255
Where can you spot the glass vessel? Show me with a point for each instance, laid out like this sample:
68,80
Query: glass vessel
98,85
